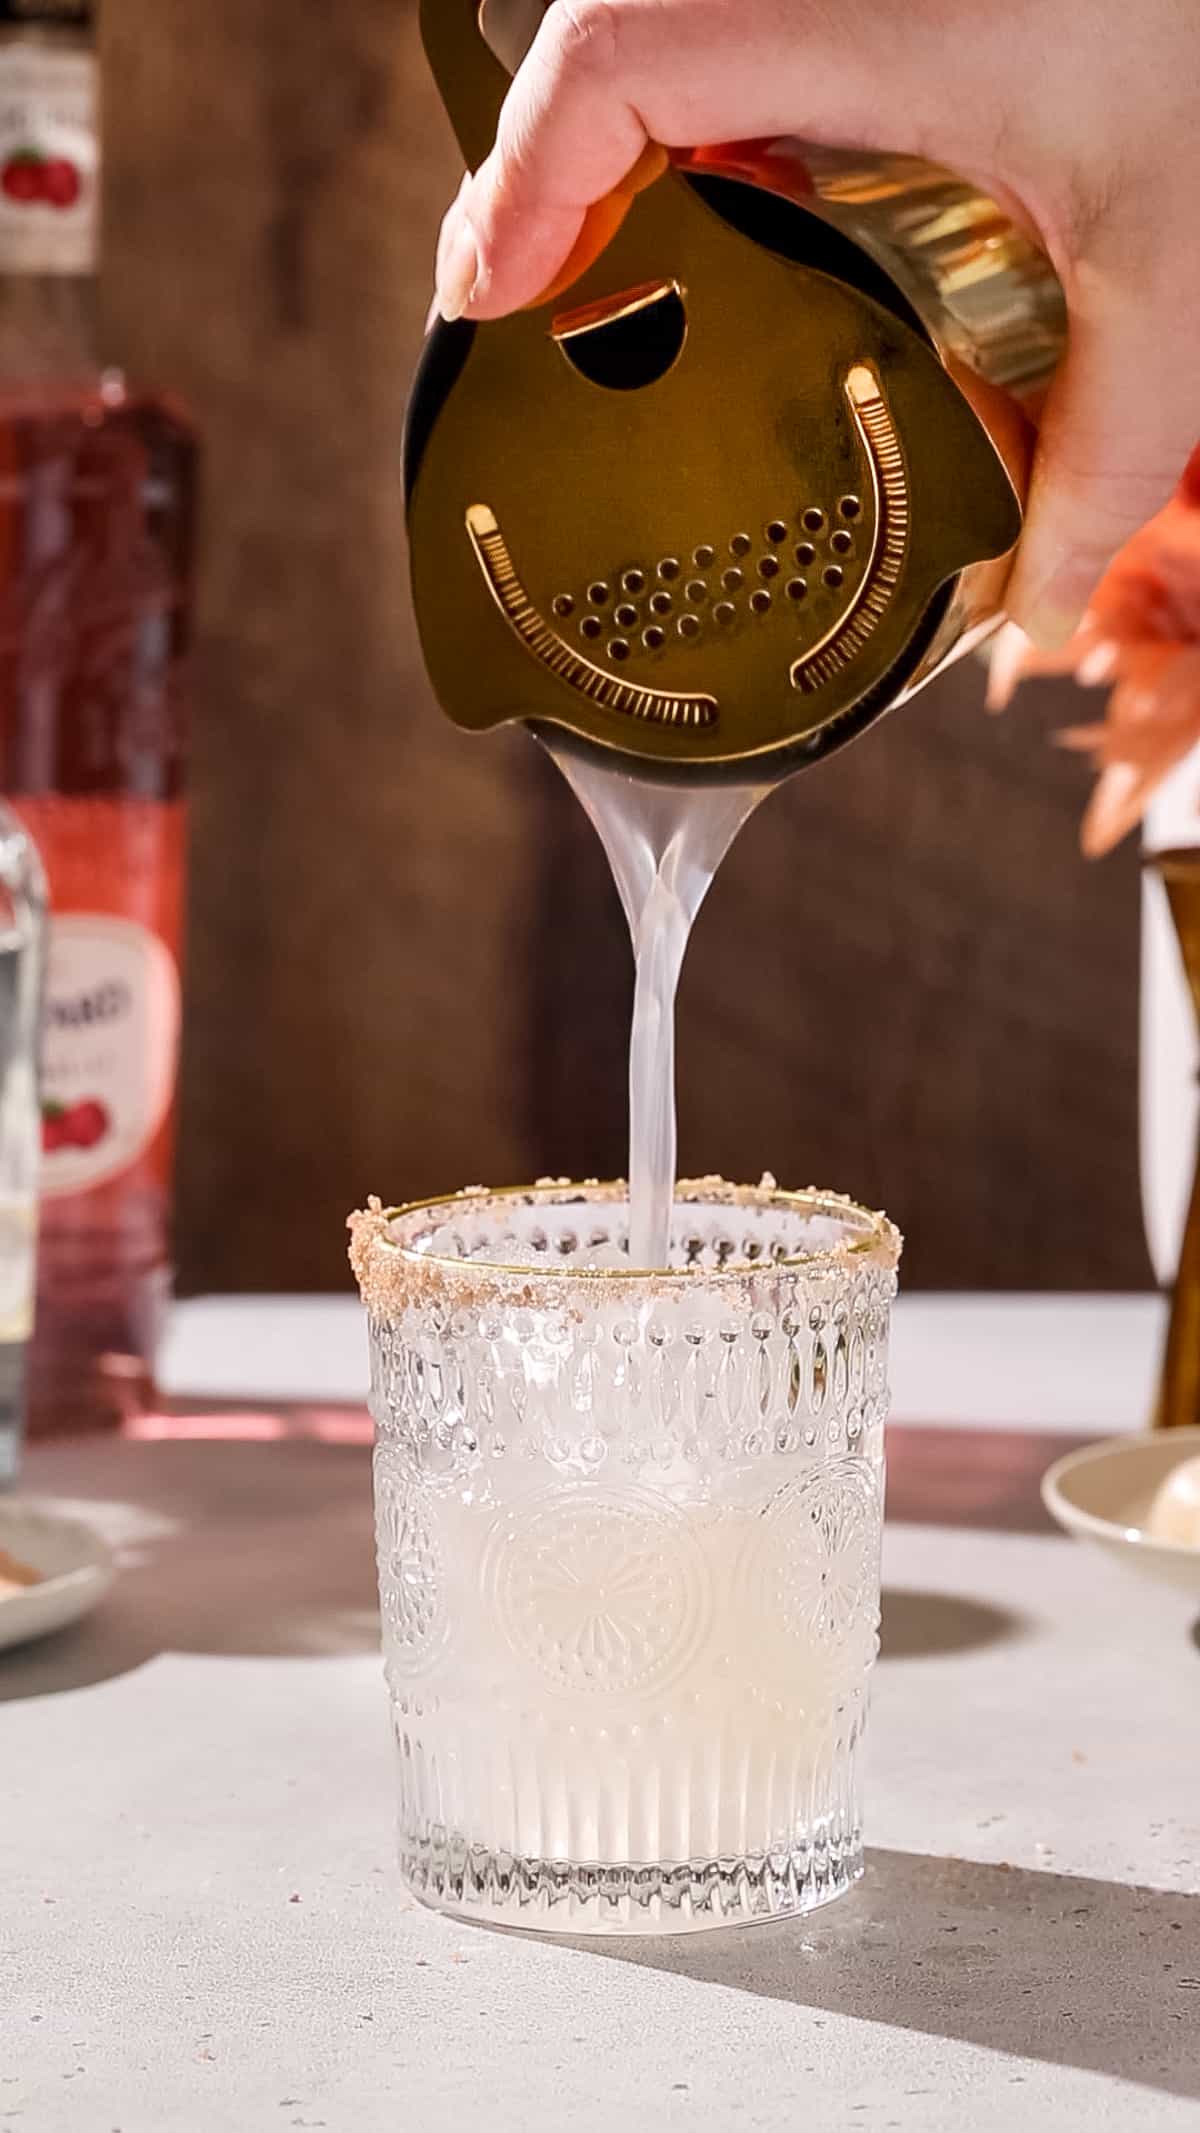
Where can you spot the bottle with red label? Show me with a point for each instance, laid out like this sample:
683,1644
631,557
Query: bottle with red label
97,484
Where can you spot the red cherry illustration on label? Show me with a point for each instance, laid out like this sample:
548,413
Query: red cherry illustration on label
87,1123
60,182
21,178
54,1128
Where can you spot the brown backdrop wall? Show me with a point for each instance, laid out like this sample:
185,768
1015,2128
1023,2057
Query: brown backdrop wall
407,968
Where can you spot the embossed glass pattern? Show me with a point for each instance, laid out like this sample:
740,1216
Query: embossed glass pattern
628,1532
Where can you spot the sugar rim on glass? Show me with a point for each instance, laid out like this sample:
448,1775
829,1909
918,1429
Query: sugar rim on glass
391,1269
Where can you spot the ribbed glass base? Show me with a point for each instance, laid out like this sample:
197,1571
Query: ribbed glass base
577,1897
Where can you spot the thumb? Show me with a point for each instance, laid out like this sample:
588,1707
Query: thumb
605,79
1120,422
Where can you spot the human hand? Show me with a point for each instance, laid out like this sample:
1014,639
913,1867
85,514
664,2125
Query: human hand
1080,120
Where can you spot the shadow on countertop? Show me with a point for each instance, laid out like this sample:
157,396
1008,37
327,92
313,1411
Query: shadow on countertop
924,1625
1076,1972
228,1548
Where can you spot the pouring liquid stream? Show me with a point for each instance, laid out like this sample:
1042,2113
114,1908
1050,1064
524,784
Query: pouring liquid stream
664,844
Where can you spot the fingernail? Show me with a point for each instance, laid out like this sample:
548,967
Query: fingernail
1055,610
458,269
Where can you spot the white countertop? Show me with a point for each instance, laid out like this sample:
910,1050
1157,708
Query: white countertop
196,1849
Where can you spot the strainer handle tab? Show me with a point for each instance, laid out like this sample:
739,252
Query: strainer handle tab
471,81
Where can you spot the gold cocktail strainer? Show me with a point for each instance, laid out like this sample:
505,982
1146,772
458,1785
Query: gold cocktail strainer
752,479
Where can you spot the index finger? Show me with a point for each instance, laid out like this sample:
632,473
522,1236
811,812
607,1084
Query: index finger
569,134
603,79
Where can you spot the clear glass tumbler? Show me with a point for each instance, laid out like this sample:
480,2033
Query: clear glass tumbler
628,1527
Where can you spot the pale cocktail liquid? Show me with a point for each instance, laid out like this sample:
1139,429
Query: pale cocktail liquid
664,845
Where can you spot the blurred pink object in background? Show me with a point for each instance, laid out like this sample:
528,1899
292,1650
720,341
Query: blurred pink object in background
1142,635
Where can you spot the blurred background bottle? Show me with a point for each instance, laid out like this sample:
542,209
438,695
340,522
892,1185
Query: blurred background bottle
97,485
22,962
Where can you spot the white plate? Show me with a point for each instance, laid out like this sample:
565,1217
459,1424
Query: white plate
76,1565
1104,1493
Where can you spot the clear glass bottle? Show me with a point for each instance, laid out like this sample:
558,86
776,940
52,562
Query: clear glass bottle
22,963
97,484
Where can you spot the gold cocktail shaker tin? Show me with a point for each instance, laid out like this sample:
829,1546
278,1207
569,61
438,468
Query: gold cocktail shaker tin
753,479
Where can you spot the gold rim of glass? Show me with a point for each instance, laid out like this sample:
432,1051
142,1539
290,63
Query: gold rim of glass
880,1238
